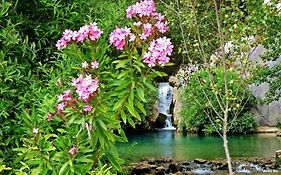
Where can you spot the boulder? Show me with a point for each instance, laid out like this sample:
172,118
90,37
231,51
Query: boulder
278,158
160,121
160,170
141,169
200,161
174,167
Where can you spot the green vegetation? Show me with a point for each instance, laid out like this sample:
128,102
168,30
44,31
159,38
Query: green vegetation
35,138
198,112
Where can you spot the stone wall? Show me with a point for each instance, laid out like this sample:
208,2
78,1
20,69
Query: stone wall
265,114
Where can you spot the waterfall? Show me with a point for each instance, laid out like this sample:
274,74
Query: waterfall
165,96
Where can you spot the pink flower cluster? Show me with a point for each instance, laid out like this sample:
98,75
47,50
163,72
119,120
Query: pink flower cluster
64,100
118,37
88,31
148,24
86,88
141,9
158,52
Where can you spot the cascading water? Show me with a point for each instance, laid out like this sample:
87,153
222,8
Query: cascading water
165,96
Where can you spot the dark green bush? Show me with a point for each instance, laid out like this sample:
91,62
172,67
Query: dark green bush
198,113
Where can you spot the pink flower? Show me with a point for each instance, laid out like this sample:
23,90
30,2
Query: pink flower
87,31
162,26
159,17
83,33
147,29
85,87
88,108
118,37
60,107
132,38
73,150
158,52
85,65
137,24
66,96
141,9
95,65
65,39
60,98
94,32
50,116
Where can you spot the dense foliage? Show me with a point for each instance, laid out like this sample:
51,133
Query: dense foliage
199,114
63,129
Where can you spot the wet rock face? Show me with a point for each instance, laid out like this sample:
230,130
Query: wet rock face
160,121
165,166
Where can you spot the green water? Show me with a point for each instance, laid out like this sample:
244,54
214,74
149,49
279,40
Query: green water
181,146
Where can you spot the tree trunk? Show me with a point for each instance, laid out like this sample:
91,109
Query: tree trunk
225,143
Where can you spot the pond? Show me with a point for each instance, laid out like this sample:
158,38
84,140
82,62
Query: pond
180,146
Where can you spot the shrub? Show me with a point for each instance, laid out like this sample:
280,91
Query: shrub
75,131
197,111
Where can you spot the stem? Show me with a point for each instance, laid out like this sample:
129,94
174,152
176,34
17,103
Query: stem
225,143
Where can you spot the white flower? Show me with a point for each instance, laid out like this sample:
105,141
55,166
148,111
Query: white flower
85,65
278,6
267,2
35,130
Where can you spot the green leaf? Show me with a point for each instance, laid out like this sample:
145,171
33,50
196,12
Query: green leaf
71,165
62,170
131,122
47,136
149,85
140,93
161,74
84,160
169,64
123,116
120,63
124,73
119,103
3,167
132,111
102,124
140,106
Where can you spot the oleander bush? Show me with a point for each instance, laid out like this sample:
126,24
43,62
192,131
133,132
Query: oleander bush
76,114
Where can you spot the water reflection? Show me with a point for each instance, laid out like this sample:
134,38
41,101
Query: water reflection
187,147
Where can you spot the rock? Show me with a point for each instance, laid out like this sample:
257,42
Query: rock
151,161
278,158
141,169
266,129
160,121
163,160
174,167
223,166
160,170
154,114
200,161
185,163
153,166
177,103
278,134
174,81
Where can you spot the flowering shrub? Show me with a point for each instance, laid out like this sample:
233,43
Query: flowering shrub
145,31
81,129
